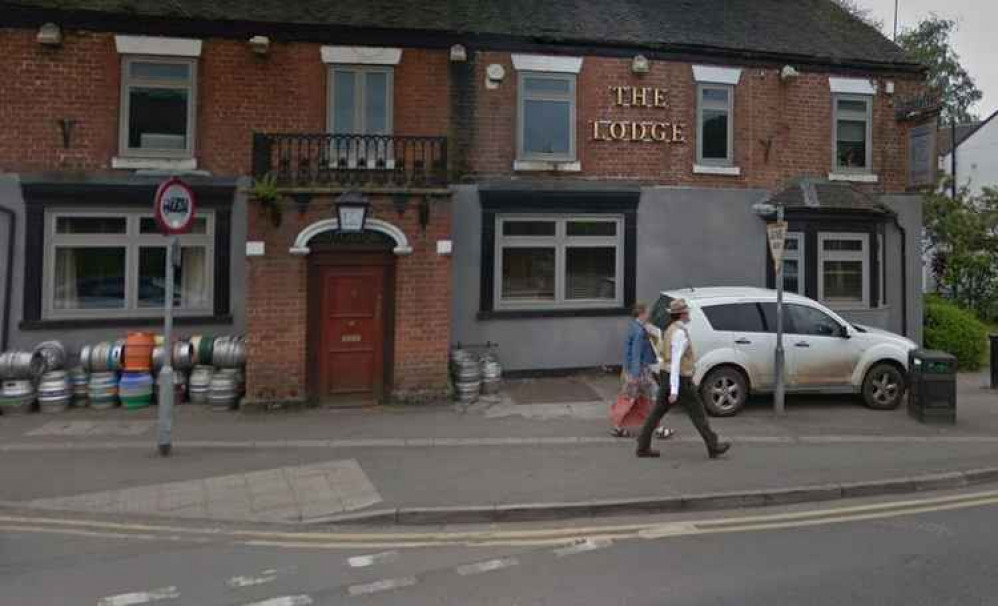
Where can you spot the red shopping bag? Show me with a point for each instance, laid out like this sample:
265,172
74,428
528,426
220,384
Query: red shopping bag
630,412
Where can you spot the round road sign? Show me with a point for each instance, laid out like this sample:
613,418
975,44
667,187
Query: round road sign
175,207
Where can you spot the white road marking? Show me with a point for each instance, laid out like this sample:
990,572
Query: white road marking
583,547
382,585
288,600
140,597
370,560
266,576
486,566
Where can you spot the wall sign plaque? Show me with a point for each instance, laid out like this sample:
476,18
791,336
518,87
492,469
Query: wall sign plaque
643,131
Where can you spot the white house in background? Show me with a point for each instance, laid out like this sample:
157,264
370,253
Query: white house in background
976,154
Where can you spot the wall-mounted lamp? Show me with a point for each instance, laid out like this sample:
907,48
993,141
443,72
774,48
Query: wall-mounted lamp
351,212
640,64
50,34
494,75
458,53
260,44
788,73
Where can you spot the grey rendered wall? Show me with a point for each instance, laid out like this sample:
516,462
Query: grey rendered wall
909,212
685,237
10,196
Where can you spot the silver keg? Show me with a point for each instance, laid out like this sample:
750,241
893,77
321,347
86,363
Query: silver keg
53,353
54,392
491,374
21,365
199,384
467,373
223,392
16,396
102,390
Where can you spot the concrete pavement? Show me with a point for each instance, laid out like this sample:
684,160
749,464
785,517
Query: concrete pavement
486,461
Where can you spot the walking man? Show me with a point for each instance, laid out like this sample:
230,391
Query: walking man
677,385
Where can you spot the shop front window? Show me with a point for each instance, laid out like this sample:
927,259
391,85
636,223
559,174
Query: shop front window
113,265
556,262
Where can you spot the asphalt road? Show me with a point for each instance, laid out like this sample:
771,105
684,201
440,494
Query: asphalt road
934,558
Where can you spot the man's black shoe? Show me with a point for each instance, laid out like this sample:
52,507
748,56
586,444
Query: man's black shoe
648,454
720,449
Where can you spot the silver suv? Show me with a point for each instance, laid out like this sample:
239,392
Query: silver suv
733,331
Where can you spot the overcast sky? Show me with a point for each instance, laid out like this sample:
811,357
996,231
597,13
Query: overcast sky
974,39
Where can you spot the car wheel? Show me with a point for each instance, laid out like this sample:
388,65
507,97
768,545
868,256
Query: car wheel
883,387
724,392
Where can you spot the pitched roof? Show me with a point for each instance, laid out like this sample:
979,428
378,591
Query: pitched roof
810,193
819,30
963,132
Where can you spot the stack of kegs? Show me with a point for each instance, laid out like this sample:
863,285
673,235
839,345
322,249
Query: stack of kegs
102,390
223,391
199,384
78,386
54,391
16,396
135,389
491,373
467,374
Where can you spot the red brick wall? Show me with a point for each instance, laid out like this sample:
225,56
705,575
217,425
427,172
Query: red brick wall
277,303
793,120
239,93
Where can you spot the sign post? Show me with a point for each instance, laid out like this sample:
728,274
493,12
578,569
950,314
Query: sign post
777,233
174,209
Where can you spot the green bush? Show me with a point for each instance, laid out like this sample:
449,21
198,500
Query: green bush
956,331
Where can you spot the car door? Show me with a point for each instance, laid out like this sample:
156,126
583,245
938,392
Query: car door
739,327
819,352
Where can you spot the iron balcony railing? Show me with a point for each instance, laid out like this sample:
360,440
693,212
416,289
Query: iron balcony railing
326,160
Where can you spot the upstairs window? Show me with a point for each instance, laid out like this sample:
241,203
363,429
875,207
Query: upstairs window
853,130
158,98
360,100
715,132
546,116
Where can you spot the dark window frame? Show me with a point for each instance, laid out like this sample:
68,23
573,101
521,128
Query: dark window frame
39,197
556,202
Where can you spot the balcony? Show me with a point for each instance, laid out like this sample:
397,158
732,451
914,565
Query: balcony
325,162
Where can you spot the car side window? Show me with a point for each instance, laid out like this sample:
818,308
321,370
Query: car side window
810,321
769,315
735,317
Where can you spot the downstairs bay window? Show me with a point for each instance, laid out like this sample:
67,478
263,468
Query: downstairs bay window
110,265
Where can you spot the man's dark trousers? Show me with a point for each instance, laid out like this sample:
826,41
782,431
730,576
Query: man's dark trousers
690,399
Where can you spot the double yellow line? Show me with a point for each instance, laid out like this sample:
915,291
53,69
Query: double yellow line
550,536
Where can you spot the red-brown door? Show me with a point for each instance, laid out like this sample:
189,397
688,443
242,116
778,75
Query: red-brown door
351,352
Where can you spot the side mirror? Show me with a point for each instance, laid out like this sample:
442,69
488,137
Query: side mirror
844,332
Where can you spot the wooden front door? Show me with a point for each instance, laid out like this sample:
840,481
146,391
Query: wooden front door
351,326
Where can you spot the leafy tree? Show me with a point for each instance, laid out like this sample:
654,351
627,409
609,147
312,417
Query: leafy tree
929,43
962,235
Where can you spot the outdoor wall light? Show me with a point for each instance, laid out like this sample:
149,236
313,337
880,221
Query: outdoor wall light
494,74
788,73
458,53
351,212
50,34
640,64
260,44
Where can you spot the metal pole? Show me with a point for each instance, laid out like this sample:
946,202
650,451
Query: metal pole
896,20
166,372
952,152
778,396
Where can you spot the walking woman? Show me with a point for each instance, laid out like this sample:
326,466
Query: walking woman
638,387
676,385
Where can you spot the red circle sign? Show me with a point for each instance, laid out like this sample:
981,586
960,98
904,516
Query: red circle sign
175,207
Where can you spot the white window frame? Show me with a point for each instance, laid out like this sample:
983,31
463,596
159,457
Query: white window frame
862,255
729,108
132,241
127,83
523,97
360,98
866,117
800,256
560,242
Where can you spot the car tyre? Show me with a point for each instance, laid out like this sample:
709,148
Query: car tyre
883,387
724,392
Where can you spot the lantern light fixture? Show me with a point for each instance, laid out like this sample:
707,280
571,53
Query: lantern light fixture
351,212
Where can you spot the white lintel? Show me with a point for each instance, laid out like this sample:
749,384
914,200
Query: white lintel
547,63
711,74
852,86
361,55
158,46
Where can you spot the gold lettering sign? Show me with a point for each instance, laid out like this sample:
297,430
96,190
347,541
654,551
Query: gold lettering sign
646,131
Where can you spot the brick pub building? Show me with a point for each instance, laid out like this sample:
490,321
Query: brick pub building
528,176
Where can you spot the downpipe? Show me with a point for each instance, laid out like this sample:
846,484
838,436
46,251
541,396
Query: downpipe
9,278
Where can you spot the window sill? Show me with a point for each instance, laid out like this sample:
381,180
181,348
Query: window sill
518,314
167,164
67,324
729,171
853,178
547,166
